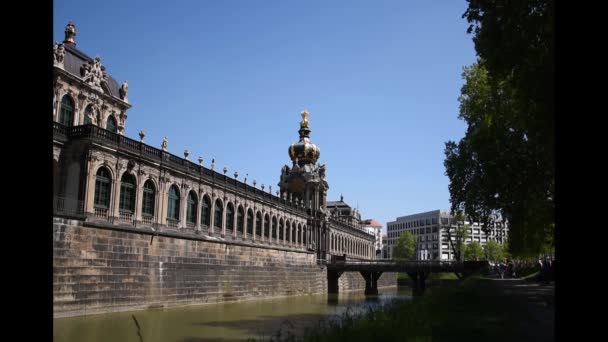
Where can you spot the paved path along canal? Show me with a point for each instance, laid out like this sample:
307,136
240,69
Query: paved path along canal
539,299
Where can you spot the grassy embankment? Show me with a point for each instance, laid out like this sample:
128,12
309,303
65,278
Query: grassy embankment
474,310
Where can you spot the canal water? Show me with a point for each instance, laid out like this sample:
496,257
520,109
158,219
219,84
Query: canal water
219,322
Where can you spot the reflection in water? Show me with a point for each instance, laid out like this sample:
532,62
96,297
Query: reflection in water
219,322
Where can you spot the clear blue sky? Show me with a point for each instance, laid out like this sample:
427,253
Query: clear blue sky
228,80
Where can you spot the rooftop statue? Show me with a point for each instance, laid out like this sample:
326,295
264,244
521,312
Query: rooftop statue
304,122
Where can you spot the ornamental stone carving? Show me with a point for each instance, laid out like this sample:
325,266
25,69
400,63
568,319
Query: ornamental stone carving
124,89
58,55
93,73
70,33
164,144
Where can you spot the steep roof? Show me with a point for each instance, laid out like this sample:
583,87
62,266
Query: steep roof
371,222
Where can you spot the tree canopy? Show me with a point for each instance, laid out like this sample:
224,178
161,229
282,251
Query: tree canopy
405,249
473,251
493,251
503,168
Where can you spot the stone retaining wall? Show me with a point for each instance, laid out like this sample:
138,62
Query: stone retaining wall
97,270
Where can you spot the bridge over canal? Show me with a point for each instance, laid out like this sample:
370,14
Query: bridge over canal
417,270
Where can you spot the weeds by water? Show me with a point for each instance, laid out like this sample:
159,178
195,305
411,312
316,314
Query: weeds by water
471,311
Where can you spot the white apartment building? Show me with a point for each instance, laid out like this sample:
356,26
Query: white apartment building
430,230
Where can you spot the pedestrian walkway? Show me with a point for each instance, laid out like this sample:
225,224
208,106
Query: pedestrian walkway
539,298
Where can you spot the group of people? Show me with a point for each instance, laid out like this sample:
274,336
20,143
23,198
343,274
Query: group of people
547,269
509,268
505,269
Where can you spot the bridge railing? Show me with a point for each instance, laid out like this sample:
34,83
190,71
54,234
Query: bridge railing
397,262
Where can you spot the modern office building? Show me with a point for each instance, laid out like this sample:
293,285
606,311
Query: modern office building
431,232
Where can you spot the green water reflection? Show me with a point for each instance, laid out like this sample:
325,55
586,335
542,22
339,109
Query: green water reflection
216,322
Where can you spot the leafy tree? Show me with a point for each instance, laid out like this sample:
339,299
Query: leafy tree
405,248
459,236
473,251
493,251
504,166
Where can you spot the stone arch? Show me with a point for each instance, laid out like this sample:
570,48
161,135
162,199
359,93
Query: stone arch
128,190
300,235
240,219
173,202
149,199
192,204
266,228
67,110
230,216
206,206
218,214
258,224
103,194
274,228
250,222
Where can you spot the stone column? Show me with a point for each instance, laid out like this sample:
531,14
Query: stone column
89,199
224,203
115,198
199,211
212,215
139,199
245,221
235,219
163,202
183,207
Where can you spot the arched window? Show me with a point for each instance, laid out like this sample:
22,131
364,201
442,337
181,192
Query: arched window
230,217
288,233
274,228
250,222
103,186
258,224
66,116
240,218
111,124
147,204
87,115
266,226
281,230
206,211
127,193
192,207
304,234
219,211
173,212
295,232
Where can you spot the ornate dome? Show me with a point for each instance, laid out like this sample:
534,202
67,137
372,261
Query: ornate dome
304,152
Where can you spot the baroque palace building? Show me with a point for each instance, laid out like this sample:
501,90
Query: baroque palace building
107,180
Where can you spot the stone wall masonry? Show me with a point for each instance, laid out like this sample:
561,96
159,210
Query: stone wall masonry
97,270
